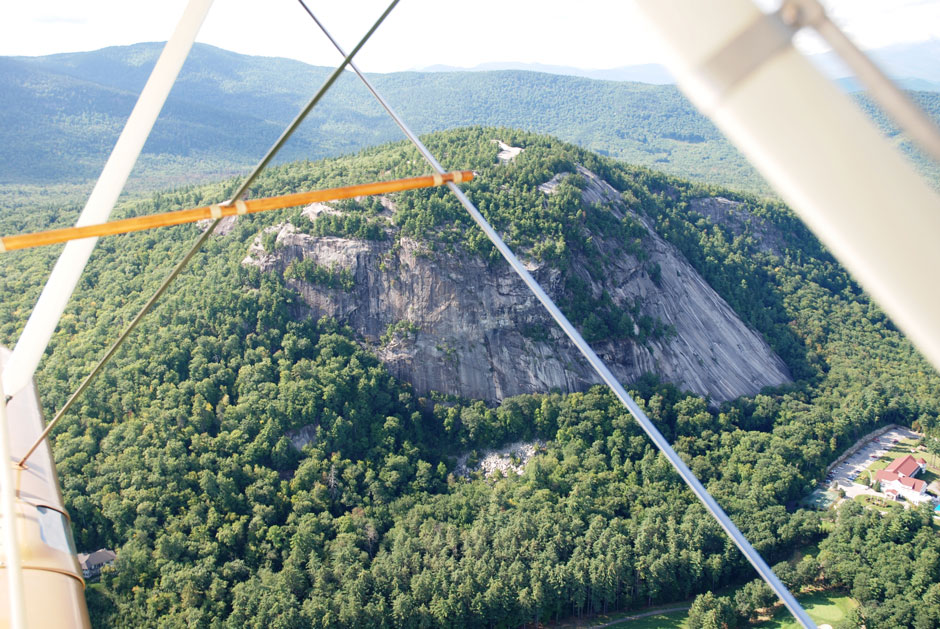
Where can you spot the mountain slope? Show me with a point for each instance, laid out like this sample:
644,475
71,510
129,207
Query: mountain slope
644,73
58,127
472,329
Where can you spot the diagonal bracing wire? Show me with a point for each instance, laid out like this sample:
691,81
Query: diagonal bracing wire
205,235
694,484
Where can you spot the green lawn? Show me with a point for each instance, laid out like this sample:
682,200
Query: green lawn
881,503
933,460
928,476
824,607
661,617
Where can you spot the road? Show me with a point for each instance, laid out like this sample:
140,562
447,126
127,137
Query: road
656,612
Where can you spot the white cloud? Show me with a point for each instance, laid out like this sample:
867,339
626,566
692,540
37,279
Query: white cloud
60,19
878,23
590,34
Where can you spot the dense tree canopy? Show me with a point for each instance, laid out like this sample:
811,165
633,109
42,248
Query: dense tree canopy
180,455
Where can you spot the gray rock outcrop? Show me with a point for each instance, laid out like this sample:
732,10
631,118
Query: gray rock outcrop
465,327
738,218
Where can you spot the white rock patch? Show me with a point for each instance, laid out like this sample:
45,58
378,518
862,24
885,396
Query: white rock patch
511,457
507,153
314,210
300,437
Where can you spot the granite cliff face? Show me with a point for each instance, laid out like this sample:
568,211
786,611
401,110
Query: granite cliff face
452,323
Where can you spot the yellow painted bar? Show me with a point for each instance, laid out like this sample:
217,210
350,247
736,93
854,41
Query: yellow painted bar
179,217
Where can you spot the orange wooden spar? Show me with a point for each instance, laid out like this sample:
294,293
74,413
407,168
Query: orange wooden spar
179,217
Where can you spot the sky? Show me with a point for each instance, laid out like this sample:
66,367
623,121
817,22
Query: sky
600,34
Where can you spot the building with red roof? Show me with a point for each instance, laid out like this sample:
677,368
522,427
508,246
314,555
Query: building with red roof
890,480
899,476
907,466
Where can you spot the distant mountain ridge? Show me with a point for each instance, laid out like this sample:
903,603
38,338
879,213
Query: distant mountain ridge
61,114
913,65
642,73
226,108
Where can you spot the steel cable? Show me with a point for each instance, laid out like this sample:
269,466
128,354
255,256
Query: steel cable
763,569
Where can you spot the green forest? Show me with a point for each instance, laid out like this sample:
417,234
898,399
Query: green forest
179,456
226,108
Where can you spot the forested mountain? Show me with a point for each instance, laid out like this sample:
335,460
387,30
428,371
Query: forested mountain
223,98
179,456
60,115
457,325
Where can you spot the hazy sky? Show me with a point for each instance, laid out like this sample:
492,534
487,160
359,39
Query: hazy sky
418,33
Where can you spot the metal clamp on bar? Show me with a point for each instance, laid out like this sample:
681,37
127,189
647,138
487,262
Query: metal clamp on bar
751,48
